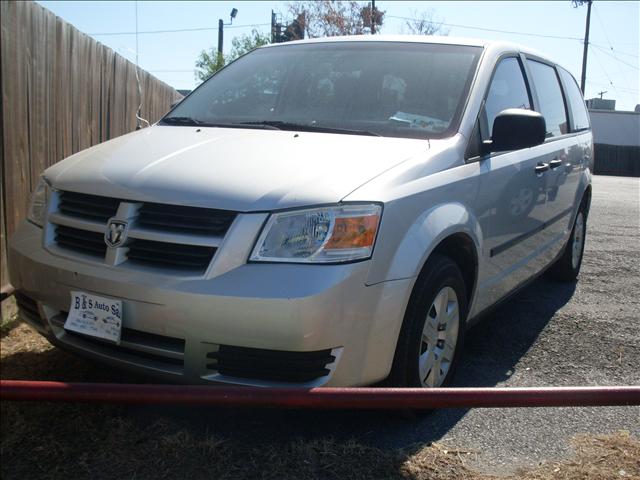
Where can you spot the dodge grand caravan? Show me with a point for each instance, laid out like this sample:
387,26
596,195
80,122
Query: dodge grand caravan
323,212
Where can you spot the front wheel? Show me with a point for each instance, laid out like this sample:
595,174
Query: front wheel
433,329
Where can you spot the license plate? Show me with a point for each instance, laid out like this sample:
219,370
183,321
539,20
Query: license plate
96,316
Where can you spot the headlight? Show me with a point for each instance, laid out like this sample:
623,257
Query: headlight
38,205
319,235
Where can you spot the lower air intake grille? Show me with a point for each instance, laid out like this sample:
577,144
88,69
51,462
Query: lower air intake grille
83,241
28,308
275,365
170,255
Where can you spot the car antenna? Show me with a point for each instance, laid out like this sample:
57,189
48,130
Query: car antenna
139,119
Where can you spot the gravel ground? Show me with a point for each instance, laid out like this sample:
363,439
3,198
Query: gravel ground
550,334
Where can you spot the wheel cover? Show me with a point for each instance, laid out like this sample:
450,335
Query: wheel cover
439,338
578,240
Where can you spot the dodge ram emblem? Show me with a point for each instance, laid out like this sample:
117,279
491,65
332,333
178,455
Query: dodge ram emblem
116,233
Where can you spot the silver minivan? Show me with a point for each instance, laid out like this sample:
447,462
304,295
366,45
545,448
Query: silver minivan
323,212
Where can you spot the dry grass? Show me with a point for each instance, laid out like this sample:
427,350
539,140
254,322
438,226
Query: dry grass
96,442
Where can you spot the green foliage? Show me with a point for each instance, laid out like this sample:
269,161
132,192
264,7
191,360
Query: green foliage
210,61
246,43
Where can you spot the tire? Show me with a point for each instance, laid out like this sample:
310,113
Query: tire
567,267
431,337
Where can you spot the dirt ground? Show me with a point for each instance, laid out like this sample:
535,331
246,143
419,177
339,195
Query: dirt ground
550,334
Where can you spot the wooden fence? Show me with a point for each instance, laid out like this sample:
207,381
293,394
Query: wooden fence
62,92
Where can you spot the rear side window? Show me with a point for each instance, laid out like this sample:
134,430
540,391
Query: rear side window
508,90
550,97
576,102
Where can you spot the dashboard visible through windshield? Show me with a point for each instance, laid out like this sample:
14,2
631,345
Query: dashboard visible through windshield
395,89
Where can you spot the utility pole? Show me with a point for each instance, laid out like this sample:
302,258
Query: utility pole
373,17
602,93
220,36
273,26
583,78
221,25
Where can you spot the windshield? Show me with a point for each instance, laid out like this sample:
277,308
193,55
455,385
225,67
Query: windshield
398,89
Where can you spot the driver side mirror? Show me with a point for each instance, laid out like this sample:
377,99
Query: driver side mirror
514,129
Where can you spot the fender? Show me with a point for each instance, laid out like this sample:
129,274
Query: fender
422,237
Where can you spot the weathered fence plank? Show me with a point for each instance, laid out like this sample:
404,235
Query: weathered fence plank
62,92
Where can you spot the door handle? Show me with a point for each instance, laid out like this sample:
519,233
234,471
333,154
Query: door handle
555,163
541,168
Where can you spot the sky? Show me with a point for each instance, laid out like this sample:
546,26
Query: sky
614,52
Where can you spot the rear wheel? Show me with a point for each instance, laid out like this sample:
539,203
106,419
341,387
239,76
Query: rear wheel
433,329
567,267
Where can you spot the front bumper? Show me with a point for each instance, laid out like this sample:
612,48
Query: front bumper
176,324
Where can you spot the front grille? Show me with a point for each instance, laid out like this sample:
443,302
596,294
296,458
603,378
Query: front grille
92,207
82,241
172,255
157,216
275,365
28,308
155,234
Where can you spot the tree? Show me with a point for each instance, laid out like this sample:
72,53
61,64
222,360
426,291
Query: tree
330,18
210,61
246,43
424,24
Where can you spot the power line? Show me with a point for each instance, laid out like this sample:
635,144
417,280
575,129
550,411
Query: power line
198,29
630,91
618,61
617,51
530,34
605,71
606,52
470,27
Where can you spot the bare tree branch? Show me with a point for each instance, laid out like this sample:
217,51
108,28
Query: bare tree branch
424,23
330,18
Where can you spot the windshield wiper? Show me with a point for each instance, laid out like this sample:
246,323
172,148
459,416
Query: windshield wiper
303,127
266,125
188,121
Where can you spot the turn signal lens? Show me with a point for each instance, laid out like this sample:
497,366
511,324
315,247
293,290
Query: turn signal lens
354,232
38,204
319,235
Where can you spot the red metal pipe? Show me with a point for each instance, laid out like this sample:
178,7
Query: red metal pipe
320,398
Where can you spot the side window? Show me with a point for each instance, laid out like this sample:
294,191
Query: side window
508,90
550,97
576,103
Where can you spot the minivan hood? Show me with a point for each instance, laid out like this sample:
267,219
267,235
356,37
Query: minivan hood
234,169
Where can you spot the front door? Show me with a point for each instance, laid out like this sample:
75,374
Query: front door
514,184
